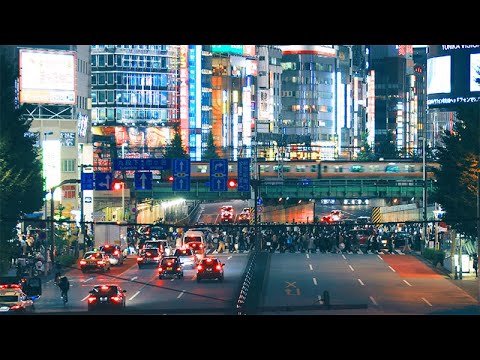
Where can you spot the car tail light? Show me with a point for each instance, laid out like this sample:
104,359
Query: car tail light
179,268
15,307
156,258
201,246
100,262
115,299
209,260
160,269
199,267
169,263
139,258
192,257
116,252
149,254
83,262
91,299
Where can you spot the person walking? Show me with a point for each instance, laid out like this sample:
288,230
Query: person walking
475,264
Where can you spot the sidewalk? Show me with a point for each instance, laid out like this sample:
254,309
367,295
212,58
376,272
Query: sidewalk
469,283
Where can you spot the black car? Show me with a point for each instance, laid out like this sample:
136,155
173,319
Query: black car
401,239
170,265
107,297
210,268
148,257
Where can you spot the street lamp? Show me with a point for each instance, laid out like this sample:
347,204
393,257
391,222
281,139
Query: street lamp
45,134
424,191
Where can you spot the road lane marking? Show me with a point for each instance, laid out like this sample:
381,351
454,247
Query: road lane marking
426,301
406,282
229,257
134,278
172,279
315,281
373,301
361,282
391,268
180,295
308,256
85,298
133,296
379,257
90,278
351,268
310,266
343,256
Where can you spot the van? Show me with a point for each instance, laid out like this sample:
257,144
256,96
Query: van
196,241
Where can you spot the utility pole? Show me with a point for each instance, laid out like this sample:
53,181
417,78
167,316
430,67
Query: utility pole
424,193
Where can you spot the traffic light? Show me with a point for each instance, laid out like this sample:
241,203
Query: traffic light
117,185
170,178
232,184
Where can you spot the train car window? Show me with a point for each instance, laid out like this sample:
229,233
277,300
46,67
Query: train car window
313,168
201,169
325,168
301,169
357,168
338,168
392,168
410,168
374,168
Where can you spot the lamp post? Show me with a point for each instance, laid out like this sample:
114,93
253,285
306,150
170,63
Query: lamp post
424,191
45,210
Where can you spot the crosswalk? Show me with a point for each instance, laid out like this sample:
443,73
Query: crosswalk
359,252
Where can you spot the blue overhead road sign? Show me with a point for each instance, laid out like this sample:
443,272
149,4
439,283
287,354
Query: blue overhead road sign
141,164
243,165
103,180
181,174
143,180
218,174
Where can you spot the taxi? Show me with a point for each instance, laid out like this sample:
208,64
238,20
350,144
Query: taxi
15,300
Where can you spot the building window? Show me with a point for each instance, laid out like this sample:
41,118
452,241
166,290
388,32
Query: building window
68,165
68,191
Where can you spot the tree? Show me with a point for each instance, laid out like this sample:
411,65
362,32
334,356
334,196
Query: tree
175,149
366,151
21,182
457,177
211,150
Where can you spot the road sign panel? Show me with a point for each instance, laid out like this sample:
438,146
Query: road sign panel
87,181
259,201
141,164
181,174
143,180
218,174
103,180
243,165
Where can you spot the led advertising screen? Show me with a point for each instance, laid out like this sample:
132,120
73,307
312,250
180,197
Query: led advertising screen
231,49
47,77
452,71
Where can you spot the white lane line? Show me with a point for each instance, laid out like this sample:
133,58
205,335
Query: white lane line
351,268
315,281
310,266
373,301
343,256
229,257
379,257
133,296
134,278
90,278
406,282
426,301
361,282
172,279
180,295
308,256
391,268
85,298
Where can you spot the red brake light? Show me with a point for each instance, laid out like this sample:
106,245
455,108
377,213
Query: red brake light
209,260
156,258
91,299
149,254
104,287
115,299
116,252
107,246
218,267
199,267
178,268
100,262
15,307
169,263
160,269
139,258
83,262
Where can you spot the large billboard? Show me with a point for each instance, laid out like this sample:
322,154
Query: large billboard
47,77
231,49
452,71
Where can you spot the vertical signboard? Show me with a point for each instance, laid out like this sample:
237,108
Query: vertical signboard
181,174
184,105
243,174
218,174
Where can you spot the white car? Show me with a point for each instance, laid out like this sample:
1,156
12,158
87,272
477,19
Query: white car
186,256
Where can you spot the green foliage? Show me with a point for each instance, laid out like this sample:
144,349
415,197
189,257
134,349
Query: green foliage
210,151
386,147
366,152
175,149
433,255
66,260
456,186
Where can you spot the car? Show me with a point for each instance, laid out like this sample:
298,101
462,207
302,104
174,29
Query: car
187,257
228,208
167,249
106,297
210,268
245,216
15,300
148,256
170,265
158,244
401,239
12,282
95,261
226,217
114,252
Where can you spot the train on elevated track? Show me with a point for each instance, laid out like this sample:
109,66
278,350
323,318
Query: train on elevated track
326,170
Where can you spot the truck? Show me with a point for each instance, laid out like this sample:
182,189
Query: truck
110,233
